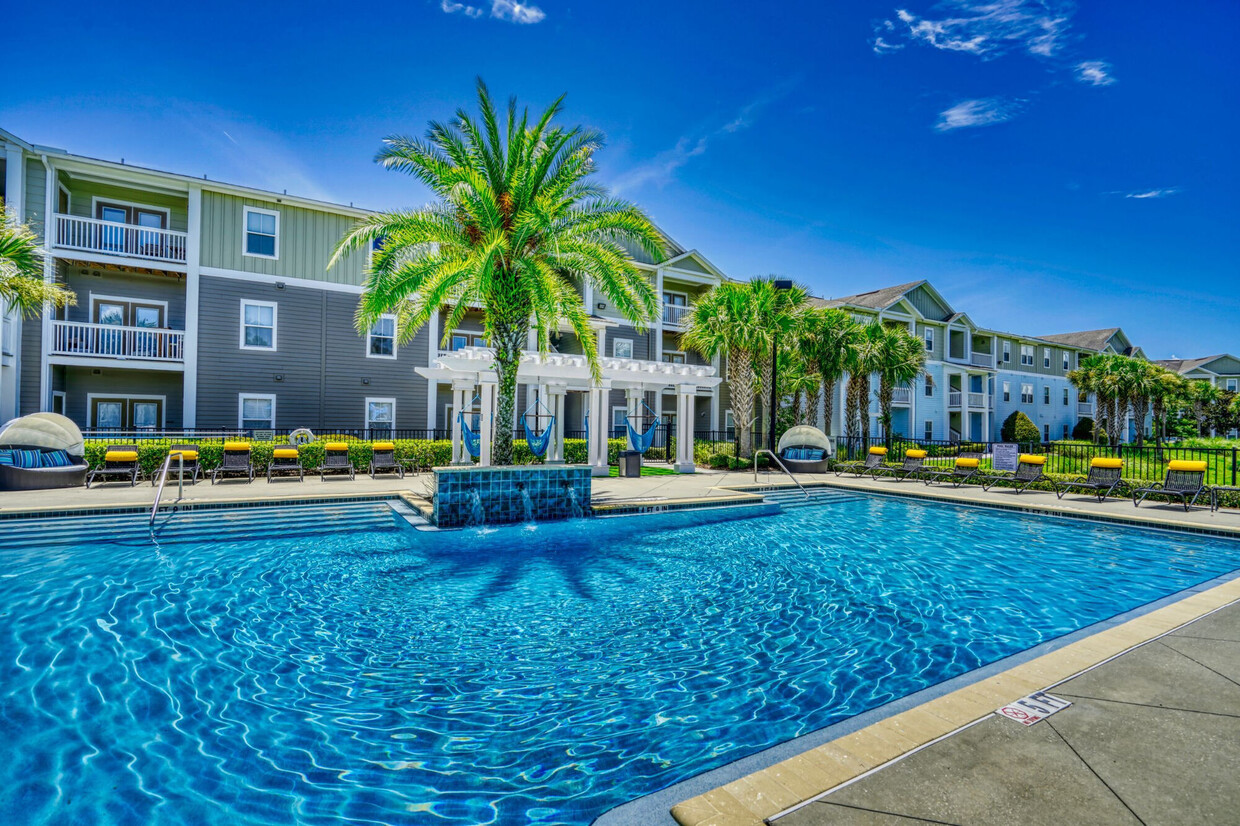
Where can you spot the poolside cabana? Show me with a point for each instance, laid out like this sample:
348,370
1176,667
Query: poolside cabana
553,376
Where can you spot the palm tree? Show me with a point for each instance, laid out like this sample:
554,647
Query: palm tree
722,322
1166,387
1201,395
863,361
828,339
800,384
21,271
516,229
1139,379
777,314
900,359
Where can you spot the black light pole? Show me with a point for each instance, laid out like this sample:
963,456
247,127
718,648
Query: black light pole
780,284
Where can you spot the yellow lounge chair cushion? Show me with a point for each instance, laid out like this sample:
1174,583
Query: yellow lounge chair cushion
968,462
1184,464
915,454
236,445
383,446
187,455
879,451
334,446
1106,462
1032,460
120,456
285,453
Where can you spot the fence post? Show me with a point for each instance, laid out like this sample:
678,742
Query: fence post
1233,467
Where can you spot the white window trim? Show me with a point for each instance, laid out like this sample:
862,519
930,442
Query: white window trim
64,400
129,397
395,344
666,293
681,353
927,336
1231,385
275,324
1023,388
616,341
1046,394
241,398
929,386
1007,391
60,187
245,223
94,209
1046,358
1066,361
96,298
927,429
379,400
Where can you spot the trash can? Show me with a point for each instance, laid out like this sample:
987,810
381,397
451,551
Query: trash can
630,463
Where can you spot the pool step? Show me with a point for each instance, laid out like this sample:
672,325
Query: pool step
221,524
794,498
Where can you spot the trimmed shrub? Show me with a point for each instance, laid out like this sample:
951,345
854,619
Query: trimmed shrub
1020,428
1084,430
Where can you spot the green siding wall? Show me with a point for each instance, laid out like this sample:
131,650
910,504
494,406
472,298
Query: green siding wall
36,190
307,238
83,193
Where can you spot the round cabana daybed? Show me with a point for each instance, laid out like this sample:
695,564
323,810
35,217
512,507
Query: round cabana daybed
805,449
41,451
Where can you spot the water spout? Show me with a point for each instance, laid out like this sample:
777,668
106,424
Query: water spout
477,514
527,506
574,507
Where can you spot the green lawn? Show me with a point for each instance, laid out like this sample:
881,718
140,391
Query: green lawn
647,470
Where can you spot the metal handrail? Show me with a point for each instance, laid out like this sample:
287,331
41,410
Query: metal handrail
163,477
782,467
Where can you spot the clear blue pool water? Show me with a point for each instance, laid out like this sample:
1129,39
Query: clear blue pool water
386,675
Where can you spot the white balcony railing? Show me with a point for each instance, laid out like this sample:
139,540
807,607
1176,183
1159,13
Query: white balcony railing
126,240
1084,408
977,400
982,360
901,395
955,398
674,313
79,338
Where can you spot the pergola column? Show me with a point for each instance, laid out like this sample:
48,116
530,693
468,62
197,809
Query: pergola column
598,427
460,456
633,397
555,401
486,427
685,396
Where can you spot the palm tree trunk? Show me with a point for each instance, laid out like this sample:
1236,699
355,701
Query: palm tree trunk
828,405
813,394
863,406
885,392
851,427
1138,413
741,379
507,341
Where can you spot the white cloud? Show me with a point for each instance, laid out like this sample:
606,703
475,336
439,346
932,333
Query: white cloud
977,112
1094,72
508,10
985,29
1152,193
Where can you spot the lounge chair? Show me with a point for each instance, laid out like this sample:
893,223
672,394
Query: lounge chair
336,459
913,466
383,460
189,456
1184,479
120,461
1029,469
873,460
236,462
285,459
1105,477
964,469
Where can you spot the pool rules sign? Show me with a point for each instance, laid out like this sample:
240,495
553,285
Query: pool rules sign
1034,707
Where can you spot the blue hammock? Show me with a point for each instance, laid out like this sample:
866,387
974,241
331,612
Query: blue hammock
639,441
471,438
538,443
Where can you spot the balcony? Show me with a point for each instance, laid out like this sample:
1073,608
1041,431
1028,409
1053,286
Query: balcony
977,400
80,339
120,240
982,360
954,399
673,314
1085,408
902,396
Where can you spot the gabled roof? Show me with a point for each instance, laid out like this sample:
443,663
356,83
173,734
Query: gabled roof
1086,339
1183,366
874,300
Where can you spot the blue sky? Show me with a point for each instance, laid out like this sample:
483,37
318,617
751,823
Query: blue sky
1048,166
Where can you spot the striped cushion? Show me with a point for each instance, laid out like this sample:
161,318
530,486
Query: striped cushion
26,458
55,458
6,457
814,454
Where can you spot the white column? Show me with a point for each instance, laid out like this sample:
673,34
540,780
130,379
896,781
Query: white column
966,431
555,401
10,377
49,275
460,456
193,260
633,403
685,397
487,426
432,388
599,428
658,319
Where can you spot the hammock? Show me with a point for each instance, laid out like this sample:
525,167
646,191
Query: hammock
538,443
471,438
639,441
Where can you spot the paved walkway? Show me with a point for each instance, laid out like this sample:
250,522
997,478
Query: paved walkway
1152,737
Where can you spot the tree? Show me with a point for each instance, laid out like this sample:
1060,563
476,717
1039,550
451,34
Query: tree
777,316
828,340
1020,429
1084,430
863,361
1200,395
21,271
1164,392
900,358
1138,381
1102,375
516,228
722,322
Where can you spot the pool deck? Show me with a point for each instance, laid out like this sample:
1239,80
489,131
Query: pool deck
1153,735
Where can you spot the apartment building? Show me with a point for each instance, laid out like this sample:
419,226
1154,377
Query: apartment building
976,377
210,305
1223,371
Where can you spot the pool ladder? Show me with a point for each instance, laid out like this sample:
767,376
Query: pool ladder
776,460
163,477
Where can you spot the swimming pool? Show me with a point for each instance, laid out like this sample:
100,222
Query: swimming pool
389,675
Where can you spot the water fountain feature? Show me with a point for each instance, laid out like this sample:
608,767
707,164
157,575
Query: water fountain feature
527,506
498,495
477,514
574,507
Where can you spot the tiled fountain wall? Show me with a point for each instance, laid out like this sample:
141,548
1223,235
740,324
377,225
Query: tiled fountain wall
500,491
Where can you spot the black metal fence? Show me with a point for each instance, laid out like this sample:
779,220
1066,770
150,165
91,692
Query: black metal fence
346,434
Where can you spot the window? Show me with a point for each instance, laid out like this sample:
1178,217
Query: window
258,325
125,413
261,238
1046,433
1067,431
1026,394
1231,385
381,340
1007,351
1007,391
622,348
1026,355
1065,361
929,336
673,357
929,430
729,424
380,416
1046,394
675,305
929,386
1065,397
256,412
1046,357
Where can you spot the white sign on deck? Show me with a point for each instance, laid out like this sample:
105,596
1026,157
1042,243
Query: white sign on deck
1004,456
1037,706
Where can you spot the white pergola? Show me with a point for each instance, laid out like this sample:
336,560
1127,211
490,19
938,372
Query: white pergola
471,370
